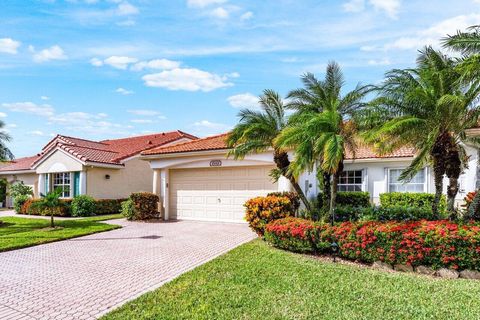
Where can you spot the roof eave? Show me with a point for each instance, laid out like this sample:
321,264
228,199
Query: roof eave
183,154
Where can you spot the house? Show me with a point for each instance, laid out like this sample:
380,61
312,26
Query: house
196,179
102,169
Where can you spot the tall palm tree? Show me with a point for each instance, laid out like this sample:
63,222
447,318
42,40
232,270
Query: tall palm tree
5,153
429,109
321,129
466,42
256,132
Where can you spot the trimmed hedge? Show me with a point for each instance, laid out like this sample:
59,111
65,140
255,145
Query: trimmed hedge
291,195
406,199
439,244
145,205
397,213
83,206
262,210
102,207
349,198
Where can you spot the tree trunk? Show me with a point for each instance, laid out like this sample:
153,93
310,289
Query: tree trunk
438,172
324,180
452,191
283,163
52,224
453,169
333,198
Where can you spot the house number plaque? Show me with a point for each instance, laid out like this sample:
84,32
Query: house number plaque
216,163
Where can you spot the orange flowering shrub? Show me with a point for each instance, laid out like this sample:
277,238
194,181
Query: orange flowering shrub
262,210
438,244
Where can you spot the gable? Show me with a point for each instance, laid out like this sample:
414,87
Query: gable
59,161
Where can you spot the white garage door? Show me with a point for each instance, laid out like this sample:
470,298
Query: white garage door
216,194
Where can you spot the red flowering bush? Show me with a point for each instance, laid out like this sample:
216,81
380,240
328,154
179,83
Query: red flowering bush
298,235
262,210
434,243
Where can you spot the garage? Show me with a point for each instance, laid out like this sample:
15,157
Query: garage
216,194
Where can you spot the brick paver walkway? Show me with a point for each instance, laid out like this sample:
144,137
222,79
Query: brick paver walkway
86,277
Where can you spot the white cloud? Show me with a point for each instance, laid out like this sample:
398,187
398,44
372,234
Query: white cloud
124,92
144,112
432,35
3,115
203,3
126,9
220,13
243,100
161,64
247,15
36,133
380,62
389,7
126,23
53,53
44,98
187,79
96,62
206,128
8,45
141,121
354,5
119,62
11,125
44,110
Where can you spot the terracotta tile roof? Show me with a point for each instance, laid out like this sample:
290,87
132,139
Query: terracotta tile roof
20,164
218,143
209,143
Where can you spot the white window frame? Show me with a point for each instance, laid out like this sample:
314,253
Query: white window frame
362,184
425,182
70,184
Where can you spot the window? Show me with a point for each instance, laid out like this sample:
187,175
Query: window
62,181
351,180
417,184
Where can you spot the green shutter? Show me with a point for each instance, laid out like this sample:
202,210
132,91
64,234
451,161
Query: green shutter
76,184
47,183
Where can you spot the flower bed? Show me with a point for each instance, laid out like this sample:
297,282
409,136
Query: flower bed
439,244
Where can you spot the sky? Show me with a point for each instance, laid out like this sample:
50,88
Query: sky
104,69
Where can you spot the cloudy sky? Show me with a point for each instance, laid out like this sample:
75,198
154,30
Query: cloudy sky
101,69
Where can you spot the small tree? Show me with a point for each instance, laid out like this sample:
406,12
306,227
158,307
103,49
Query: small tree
20,189
50,201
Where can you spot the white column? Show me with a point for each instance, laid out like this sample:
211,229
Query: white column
83,183
164,187
41,184
156,182
284,184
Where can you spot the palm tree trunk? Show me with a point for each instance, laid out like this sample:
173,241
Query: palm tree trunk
452,191
52,224
282,162
438,171
453,169
333,197
324,179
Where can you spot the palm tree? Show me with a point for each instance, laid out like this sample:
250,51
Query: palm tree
321,129
429,109
465,42
256,132
5,153
50,201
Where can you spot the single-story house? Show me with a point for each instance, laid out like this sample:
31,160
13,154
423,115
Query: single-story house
105,169
196,180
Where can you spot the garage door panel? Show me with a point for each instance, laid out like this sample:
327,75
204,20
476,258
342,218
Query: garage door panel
216,193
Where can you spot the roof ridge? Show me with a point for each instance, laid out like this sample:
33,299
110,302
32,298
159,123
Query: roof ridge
85,147
158,145
141,136
198,140
87,140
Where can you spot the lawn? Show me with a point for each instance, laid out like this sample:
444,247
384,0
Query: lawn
256,281
18,233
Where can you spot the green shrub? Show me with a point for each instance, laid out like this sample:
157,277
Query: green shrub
146,205
20,189
34,207
291,195
262,210
3,190
397,213
406,199
19,201
108,206
349,198
83,206
128,209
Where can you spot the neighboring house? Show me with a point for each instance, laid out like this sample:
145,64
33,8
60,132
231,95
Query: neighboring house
196,180
103,169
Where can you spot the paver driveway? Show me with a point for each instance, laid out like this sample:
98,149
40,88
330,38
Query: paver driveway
86,277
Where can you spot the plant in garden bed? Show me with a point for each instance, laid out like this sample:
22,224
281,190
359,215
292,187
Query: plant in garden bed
141,206
83,206
262,210
50,201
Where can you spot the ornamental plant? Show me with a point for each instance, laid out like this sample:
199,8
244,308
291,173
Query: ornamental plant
145,205
262,210
83,206
439,244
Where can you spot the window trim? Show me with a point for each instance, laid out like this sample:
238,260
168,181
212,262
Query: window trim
425,182
362,185
52,184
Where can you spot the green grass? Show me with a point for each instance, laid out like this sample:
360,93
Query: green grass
256,281
18,233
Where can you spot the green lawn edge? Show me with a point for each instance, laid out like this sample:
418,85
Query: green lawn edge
256,281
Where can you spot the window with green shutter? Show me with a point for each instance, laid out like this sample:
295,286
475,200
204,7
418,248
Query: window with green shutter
76,184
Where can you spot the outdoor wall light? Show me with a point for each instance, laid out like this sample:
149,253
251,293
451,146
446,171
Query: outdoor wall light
107,177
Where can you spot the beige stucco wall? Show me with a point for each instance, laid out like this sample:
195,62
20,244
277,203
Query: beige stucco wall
58,161
136,176
29,179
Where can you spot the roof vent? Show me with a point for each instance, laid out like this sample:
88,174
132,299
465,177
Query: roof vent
163,133
150,142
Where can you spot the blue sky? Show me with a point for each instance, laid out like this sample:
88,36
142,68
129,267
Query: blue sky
101,69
